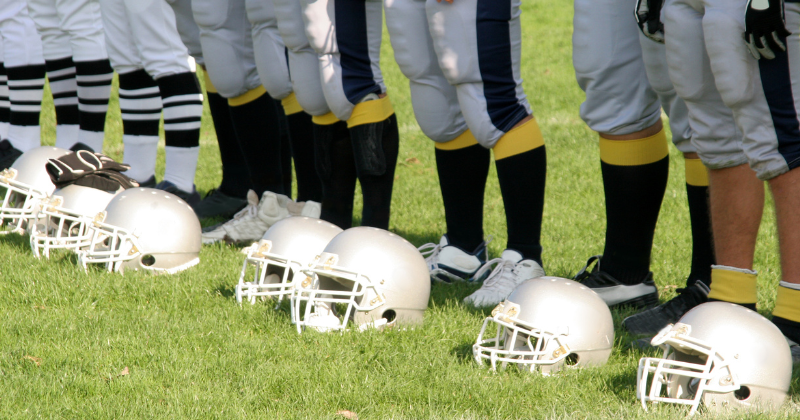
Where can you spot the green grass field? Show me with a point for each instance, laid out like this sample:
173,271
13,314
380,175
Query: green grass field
100,345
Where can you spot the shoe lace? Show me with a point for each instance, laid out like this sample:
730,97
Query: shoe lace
430,252
500,270
249,211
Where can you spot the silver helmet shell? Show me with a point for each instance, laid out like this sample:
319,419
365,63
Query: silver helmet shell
288,247
546,324
144,229
721,354
64,218
24,185
376,277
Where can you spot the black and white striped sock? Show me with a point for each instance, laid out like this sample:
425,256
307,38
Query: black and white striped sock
140,106
5,105
25,90
94,87
183,108
61,75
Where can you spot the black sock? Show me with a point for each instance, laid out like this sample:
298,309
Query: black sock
333,156
286,149
5,107
94,89
25,89
789,328
63,86
375,147
522,180
235,174
301,131
702,240
182,100
633,200
462,179
257,128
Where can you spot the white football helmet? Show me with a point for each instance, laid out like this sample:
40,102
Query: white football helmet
721,354
64,218
25,184
291,243
547,323
144,228
376,277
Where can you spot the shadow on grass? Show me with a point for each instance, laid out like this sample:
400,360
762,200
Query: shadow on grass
21,242
226,290
463,352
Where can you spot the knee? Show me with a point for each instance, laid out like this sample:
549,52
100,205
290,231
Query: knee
210,14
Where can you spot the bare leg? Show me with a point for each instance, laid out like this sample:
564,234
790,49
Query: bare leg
786,192
737,204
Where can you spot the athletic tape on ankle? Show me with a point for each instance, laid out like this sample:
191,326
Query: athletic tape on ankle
290,105
733,286
519,140
464,140
371,112
209,86
327,119
787,304
634,152
696,173
249,96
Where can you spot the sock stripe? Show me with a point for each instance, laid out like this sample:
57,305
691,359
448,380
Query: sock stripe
59,75
464,140
696,173
634,152
519,140
193,98
140,93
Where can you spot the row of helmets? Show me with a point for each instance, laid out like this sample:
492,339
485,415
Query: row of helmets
720,355
133,229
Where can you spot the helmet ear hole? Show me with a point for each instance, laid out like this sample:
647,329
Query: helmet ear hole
148,260
390,315
742,393
572,359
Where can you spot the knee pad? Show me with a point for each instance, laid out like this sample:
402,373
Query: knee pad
437,111
211,14
319,17
306,83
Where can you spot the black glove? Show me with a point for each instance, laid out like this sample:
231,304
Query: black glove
765,28
648,16
88,169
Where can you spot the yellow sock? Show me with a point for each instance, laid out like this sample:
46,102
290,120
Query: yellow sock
634,152
326,119
696,173
464,140
787,305
519,140
290,105
249,96
371,112
734,285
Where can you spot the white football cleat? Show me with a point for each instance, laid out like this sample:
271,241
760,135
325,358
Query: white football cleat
448,263
250,223
508,271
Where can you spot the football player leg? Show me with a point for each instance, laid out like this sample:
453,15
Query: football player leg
24,63
354,89
607,56
164,57
139,97
272,62
462,164
5,106
228,198
653,320
254,116
82,22
769,144
494,105
60,70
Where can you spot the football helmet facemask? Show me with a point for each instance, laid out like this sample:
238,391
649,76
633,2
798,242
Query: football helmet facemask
24,185
144,229
286,248
547,323
64,218
721,354
376,278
